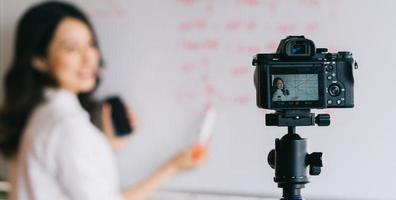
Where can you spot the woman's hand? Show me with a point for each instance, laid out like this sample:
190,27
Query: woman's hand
116,142
190,158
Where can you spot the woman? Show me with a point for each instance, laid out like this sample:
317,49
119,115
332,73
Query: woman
279,92
45,122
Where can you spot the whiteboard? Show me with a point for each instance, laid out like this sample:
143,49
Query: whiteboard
170,58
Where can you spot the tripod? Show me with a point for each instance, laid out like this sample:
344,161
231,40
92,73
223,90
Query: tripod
290,158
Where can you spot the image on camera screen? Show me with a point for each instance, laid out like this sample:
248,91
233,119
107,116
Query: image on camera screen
295,87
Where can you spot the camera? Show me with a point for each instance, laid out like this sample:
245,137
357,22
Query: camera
292,81
300,76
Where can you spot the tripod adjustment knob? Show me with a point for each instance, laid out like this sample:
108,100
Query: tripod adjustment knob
271,158
315,163
322,120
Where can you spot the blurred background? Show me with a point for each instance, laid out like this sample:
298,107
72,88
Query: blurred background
169,59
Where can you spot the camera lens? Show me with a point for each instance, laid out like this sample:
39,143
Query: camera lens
334,90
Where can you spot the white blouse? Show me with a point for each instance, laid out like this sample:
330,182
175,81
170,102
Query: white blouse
63,155
278,96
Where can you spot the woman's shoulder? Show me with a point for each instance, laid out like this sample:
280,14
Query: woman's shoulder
61,104
59,113
57,125
51,118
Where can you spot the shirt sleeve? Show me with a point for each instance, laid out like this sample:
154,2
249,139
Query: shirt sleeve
85,162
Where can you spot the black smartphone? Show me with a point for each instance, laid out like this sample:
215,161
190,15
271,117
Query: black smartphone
119,116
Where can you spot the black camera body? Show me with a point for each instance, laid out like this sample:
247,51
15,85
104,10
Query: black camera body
299,76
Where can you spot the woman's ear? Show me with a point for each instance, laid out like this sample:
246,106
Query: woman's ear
40,64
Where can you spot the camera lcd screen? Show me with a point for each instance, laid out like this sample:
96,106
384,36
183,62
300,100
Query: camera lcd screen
295,87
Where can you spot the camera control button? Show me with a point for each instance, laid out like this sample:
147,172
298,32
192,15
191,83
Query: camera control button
329,101
329,77
329,68
334,90
339,101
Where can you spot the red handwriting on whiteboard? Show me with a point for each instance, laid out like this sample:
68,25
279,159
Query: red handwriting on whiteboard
188,67
199,24
241,25
193,45
209,87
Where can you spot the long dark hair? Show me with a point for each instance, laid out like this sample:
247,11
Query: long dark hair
274,87
23,82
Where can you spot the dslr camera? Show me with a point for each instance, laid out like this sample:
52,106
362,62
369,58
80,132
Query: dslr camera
300,76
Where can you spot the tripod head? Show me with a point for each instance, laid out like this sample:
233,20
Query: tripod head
293,118
290,158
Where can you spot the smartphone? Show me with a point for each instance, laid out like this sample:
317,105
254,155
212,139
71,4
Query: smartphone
119,115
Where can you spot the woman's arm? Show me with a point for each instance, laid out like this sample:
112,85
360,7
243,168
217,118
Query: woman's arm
182,162
147,187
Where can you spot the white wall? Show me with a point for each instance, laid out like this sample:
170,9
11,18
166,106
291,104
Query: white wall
168,59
